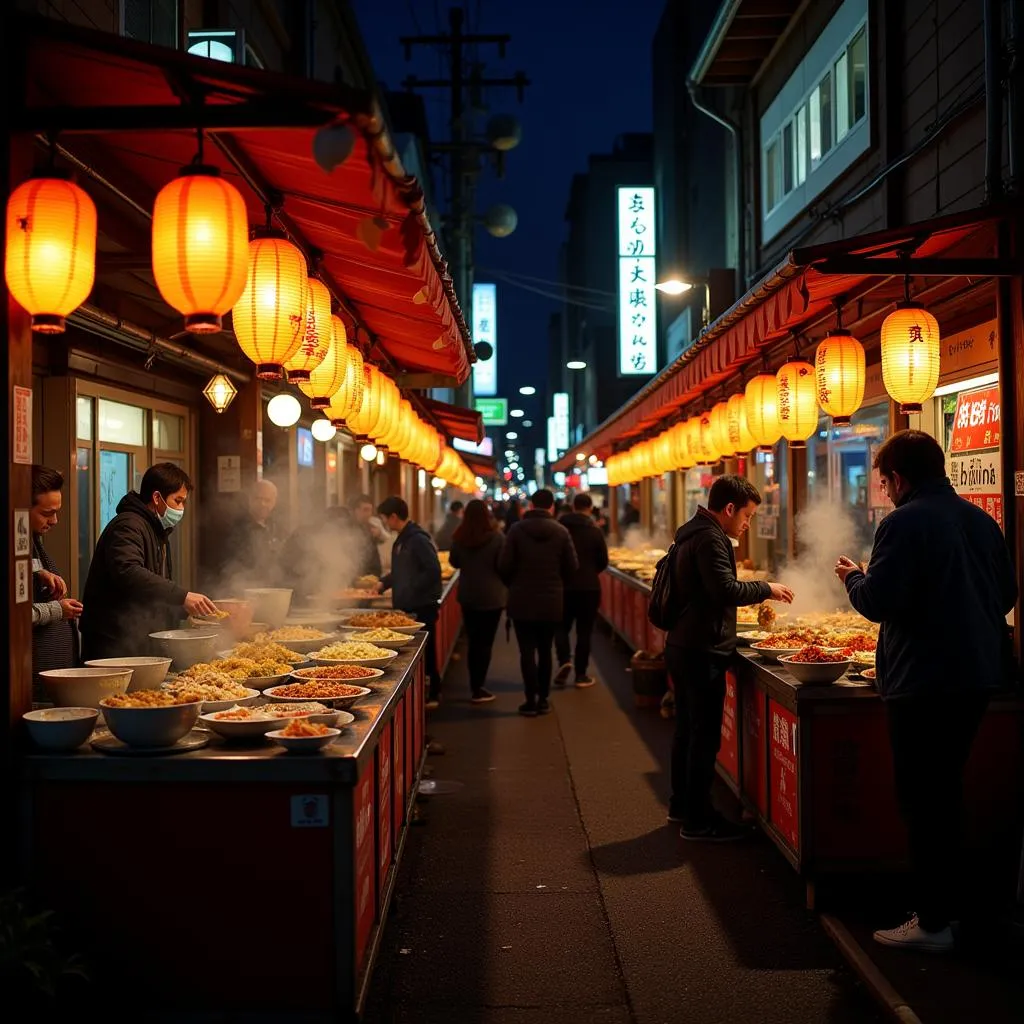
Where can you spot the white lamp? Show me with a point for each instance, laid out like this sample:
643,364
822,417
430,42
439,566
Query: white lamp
368,452
284,410
323,430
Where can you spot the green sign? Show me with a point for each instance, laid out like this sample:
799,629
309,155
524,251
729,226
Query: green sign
493,410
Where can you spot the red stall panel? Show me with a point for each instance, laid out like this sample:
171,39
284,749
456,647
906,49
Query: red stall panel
754,743
363,814
385,804
783,775
399,756
729,752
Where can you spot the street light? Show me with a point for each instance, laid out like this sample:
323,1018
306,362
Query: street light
511,435
676,286
575,364
528,389
516,413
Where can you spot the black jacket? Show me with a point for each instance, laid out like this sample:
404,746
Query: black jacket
480,585
537,561
591,551
415,577
705,587
941,583
129,592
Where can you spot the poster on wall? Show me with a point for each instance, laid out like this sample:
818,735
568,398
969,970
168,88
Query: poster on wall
974,450
22,440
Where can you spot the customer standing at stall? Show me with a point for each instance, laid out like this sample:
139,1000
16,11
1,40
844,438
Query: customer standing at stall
582,592
475,551
537,561
54,633
936,559
414,581
700,645
366,553
130,592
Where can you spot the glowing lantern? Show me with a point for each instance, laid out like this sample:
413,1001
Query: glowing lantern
323,430
220,392
363,419
348,399
761,398
663,460
680,445
324,379
910,355
317,336
740,439
200,246
709,453
839,376
798,407
50,261
284,410
270,316
720,428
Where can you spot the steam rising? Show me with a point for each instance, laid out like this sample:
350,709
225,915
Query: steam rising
637,538
824,530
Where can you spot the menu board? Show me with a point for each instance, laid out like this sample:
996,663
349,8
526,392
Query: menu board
974,456
782,774
729,752
363,812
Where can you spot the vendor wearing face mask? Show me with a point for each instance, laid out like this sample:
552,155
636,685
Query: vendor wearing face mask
130,592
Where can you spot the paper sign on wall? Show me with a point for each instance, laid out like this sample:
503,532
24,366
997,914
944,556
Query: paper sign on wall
975,469
229,473
22,442
22,535
21,578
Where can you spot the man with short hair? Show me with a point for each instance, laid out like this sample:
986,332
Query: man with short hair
414,581
443,537
253,544
130,592
936,559
537,561
701,644
582,592
367,555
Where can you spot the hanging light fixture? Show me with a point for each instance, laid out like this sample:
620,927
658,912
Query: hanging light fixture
328,375
761,398
317,334
911,347
798,407
741,441
284,410
368,452
270,315
323,430
839,369
220,392
200,245
50,258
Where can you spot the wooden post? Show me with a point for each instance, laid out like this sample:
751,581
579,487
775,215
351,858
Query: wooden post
613,513
797,496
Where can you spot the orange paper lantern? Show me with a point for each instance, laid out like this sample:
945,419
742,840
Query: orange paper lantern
798,406
761,397
328,376
317,335
911,346
740,439
839,376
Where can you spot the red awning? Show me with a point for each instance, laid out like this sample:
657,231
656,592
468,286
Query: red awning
456,421
796,298
481,465
113,99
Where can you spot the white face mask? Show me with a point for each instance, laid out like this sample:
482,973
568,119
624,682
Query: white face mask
170,517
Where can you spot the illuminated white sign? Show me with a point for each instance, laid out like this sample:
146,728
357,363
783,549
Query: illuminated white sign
561,416
485,329
485,447
638,326
552,447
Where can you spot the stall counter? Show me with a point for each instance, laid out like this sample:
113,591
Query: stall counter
449,623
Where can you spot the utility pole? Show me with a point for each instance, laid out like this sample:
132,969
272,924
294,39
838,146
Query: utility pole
465,151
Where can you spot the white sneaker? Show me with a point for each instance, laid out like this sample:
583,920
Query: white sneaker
911,935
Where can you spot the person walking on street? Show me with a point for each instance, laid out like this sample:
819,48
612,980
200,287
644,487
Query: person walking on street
414,581
700,645
936,559
582,592
476,549
537,561
443,537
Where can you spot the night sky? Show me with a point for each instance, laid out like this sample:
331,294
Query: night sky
589,68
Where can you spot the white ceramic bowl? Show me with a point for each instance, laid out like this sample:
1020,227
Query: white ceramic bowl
151,727
819,673
358,636
232,729
84,687
774,654
147,673
329,717
270,604
318,618
262,683
250,697
334,702
304,744
364,662
186,647
61,728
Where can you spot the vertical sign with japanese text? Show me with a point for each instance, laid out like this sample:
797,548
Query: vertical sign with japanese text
783,797
485,329
974,459
638,327
560,411
22,439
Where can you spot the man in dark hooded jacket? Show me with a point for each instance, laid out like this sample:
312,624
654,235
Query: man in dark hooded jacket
129,592
537,561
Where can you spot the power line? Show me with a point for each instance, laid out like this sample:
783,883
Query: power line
511,282
548,281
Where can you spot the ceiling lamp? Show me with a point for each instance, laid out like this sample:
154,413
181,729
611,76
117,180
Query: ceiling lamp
761,398
270,317
324,379
741,441
323,430
200,245
50,259
317,336
284,410
910,353
220,392
368,453
798,406
839,374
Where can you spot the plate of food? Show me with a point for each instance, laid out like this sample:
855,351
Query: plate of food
302,736
770,651
817,665
301,639
237,723
217,691
870,673
398,621
314,710
353,652
342,695
265,652
337,674
382,636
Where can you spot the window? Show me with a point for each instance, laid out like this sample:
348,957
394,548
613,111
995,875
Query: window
842,100
787,159
858,57
150,21
773,188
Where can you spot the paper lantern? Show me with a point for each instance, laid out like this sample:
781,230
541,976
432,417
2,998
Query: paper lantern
220,392
911,346
347,400
839,376
740,439
200,245
270,315
317,335
327,377
798,406
663,456
761,398
680,445
284,410
709,453
363,419
720,428
50,259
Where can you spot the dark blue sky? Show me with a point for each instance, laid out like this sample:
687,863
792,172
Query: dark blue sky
589,65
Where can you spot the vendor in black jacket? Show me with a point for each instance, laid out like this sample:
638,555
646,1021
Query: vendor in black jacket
129,592
937,560
698,648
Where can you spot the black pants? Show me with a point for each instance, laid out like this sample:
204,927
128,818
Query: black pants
580,607
481,626
535,640
931,740
428,616
699,681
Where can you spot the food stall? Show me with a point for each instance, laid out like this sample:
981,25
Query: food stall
449,620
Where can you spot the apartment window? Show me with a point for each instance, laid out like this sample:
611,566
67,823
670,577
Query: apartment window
150,21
